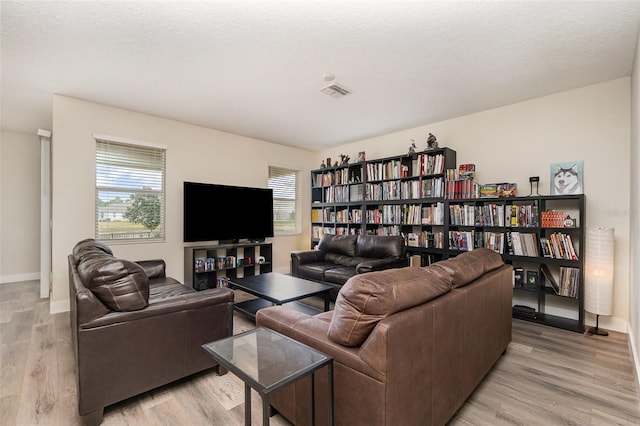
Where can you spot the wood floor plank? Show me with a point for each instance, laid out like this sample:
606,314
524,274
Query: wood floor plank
547,377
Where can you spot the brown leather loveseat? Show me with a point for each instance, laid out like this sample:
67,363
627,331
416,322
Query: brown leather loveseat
135,329
409,345
339,257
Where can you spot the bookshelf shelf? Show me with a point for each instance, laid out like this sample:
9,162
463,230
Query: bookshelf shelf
228,260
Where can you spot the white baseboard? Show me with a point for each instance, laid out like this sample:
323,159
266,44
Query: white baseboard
634,352
31,276
59,306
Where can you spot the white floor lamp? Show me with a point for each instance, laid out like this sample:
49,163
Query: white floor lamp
598,291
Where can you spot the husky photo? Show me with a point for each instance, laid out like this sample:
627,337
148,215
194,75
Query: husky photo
566,178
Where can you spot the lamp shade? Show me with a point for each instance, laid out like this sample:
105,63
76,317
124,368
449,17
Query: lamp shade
598,291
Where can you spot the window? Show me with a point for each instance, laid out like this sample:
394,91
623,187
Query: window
286,200
130,190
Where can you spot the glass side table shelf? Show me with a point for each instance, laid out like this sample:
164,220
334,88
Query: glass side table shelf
266,361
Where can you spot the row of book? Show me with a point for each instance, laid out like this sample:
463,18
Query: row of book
522,244
385,230
524,215
425,188
425,239
461,189
558,246
469,240
207,264
319,231
568,283
343,194
337,177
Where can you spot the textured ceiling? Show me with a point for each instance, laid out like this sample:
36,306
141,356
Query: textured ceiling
256,68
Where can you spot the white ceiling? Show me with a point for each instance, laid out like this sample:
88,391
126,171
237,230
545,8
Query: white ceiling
255,68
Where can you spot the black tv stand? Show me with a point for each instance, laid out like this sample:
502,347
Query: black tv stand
233,260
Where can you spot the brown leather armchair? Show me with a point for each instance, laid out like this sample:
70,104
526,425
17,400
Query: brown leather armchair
135,329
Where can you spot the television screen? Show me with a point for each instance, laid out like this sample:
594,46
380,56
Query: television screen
223,212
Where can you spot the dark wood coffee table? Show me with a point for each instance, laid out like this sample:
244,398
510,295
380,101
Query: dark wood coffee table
274,288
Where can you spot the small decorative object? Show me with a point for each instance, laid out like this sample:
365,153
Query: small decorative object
507,189
361,156
518,276
344,159
336,164
328,161
569,222
322,165
566,178
532,280
532,180
412,148
598,275
222,282
432,142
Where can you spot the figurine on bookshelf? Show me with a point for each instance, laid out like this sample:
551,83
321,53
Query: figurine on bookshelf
322,165
344,159
412,148
432,142
361,156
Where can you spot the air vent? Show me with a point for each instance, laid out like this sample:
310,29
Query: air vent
336,91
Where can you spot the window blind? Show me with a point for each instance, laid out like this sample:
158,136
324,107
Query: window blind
286,200
130,191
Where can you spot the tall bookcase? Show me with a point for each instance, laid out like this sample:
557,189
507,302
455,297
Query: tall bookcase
378,197
204,264
407,195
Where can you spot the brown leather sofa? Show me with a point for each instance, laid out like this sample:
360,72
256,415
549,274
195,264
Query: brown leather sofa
409,345
135,329
339,257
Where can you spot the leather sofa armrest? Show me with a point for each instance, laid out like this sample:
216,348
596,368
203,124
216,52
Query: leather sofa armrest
312,331
304,256
183,302
154,268
371,265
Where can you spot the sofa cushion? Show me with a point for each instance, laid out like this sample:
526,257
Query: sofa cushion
314,271
340,244
380,247
338,259
120,284
367,298
468,266
339,275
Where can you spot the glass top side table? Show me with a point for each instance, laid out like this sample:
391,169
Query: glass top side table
266,361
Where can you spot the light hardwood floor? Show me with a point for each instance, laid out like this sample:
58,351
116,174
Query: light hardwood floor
547,377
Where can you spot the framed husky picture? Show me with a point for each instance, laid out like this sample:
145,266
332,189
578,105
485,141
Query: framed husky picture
566,178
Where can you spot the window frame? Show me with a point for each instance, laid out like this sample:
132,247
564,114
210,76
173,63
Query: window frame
284,170
151,152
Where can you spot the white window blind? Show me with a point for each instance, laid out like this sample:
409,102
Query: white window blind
130,191
286,200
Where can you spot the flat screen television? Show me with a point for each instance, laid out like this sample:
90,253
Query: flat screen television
227,213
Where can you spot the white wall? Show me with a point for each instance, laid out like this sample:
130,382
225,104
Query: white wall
634,276
512,143
194,154
19,207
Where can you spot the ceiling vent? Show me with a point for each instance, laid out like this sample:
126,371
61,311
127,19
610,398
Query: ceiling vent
335,90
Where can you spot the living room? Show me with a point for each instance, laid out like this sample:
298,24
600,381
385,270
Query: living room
596,123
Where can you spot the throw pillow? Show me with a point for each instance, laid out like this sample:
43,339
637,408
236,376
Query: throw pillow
119,284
